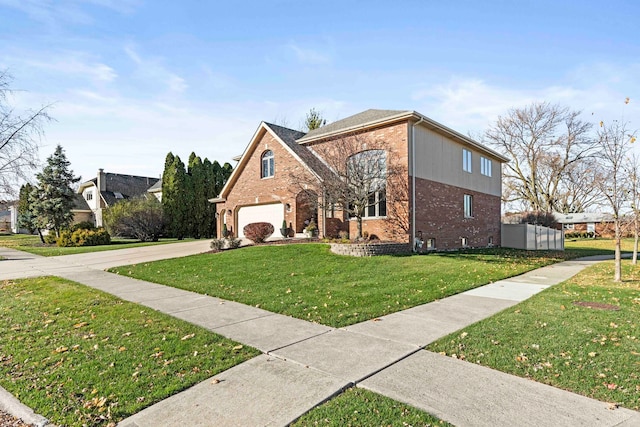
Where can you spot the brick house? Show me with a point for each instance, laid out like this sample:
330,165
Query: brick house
447,197
107,189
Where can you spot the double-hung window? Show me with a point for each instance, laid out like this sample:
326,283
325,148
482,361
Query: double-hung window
485,166
466,160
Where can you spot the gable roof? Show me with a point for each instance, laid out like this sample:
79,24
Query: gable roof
117,185
352,123
79,203
286,137
372,117
155,187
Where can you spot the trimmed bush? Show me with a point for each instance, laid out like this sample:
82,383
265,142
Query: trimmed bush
84,225
83,237
50,238
258,231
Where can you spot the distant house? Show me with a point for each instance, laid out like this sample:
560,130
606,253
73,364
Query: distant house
107,189
453,182
601,224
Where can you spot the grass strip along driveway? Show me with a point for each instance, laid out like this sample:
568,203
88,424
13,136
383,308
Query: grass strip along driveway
309,282
32,244
82,357
582,335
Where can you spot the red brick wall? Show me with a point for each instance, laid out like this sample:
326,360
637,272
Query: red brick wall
390,137
251,189
440,215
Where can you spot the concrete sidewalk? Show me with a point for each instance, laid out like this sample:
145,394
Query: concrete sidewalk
305,364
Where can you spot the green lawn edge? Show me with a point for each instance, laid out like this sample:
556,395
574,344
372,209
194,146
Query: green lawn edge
547,338
79,356
309,282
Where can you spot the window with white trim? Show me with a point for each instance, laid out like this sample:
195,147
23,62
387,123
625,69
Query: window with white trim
466,160
468,206
485,166
268,164
367,175
88,195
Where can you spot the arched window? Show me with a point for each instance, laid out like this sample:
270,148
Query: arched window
268,165
367,176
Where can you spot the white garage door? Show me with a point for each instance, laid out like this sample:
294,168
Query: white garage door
273,214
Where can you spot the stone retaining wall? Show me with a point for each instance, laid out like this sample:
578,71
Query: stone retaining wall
369,249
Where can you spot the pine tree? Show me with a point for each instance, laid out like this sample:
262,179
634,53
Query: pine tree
26,219
181,198
53,197
168,191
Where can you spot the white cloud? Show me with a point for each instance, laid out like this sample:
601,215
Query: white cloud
153,70
58,13
309,56
74,63
470,104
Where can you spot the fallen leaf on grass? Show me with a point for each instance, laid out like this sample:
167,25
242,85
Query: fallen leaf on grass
186,337
80,325
238,347
60,350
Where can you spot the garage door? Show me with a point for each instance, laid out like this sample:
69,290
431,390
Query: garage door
273,214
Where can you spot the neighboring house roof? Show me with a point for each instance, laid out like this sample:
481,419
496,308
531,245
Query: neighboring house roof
582,217
156,187
118,186
79,203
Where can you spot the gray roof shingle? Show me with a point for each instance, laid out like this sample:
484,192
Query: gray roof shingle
289,136
350,122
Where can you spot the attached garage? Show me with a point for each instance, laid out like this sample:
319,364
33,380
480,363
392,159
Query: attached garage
273,214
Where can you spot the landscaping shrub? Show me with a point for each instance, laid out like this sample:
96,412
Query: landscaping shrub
141,219
258,231
84,225
225,243
50,238
83,237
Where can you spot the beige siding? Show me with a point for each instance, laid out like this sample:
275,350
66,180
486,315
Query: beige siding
439,159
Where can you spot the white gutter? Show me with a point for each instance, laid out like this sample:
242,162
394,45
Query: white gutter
413,183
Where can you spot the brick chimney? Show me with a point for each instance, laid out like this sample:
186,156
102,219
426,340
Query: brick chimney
102,181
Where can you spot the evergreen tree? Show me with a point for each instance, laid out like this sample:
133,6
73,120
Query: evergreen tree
53,197
26,219
168,191
210,193
314,120
199,209
181,200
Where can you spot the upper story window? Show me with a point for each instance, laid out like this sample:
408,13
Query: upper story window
268,164
485,166
88,195
466,160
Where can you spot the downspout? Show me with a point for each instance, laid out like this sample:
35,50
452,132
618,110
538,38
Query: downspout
413,183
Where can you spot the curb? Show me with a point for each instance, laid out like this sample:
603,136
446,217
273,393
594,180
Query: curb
13,406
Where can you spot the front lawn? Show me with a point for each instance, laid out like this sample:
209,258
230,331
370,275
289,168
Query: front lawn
582,335
32,244
603,245
309,282
82,357
359,407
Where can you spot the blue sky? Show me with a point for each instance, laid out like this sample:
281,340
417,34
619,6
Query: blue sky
131,80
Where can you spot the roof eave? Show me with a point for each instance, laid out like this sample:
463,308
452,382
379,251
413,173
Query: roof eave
405,114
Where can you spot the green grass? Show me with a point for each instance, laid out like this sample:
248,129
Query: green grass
32,244
359,407
307,281
547,338
603,245
82,357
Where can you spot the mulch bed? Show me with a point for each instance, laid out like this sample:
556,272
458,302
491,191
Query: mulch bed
597,305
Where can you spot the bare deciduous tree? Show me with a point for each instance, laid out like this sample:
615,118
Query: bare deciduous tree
546,144
632,169
19,139
613,140
362,179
